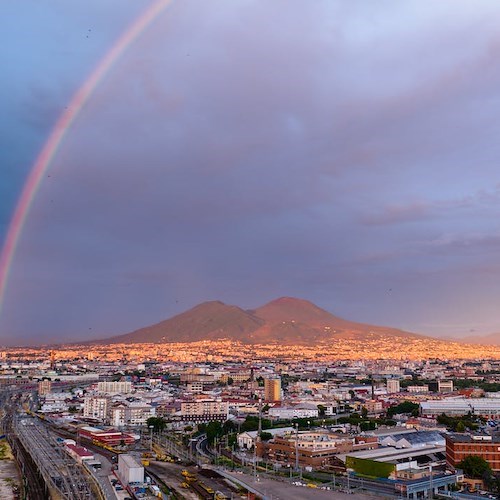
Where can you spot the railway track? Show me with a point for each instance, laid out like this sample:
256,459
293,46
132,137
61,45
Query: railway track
33,485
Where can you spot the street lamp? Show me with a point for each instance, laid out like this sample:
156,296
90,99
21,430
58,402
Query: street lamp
296,446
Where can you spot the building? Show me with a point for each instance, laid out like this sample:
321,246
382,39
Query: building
118,387
290,412
247,439
393,385
459,446
96,407
272,389
445,386
129,470
110,437
418,389
485,407
79,453
204,410
44,387
312,449
135,413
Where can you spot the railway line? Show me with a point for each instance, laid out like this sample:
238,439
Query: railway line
33,485
59,471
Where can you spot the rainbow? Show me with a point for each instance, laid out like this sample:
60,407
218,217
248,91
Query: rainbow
58,133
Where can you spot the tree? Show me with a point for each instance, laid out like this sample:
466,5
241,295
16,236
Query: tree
460,427
404,407
266,436
475,467
213,430
157,423
321,410
364,412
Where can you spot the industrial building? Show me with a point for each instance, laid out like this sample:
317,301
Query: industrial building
485,407
459,446
129,470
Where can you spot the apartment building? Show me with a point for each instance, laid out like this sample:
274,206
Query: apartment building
96,407
117,387
272,389
204,410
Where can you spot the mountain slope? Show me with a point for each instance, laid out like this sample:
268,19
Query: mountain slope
490,339
208,320
286,320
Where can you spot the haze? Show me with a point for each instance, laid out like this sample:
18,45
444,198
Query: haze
342,152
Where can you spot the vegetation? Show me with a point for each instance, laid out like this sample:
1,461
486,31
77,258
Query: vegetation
158,423
475,467
460,424
404,407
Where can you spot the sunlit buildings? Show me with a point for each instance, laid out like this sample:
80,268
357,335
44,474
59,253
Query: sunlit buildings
272,389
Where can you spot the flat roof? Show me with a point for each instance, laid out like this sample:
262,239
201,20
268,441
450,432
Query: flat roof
474,438
130,461
390,454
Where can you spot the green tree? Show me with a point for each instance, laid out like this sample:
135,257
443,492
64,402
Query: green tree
266,436
321,410
158,423
404,407
213,430
364,412
475,467
460,427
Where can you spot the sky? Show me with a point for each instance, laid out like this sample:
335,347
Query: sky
342,152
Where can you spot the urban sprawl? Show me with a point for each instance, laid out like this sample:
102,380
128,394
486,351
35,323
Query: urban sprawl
225,420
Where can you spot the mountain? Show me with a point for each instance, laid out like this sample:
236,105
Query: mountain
209,320
286,320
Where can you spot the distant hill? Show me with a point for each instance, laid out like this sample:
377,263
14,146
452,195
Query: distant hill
490,339
287,320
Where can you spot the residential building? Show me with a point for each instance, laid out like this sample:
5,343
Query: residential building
117,387
272,389
96,407
44,387
393,385
204,410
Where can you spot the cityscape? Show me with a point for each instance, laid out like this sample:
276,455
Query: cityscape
249,250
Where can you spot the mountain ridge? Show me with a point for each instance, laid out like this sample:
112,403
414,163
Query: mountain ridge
286,320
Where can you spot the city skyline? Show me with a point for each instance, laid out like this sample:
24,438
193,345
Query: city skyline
344,154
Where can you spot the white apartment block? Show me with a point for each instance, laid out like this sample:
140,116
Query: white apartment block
96,407
117,387
285,413
393,385
123,413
